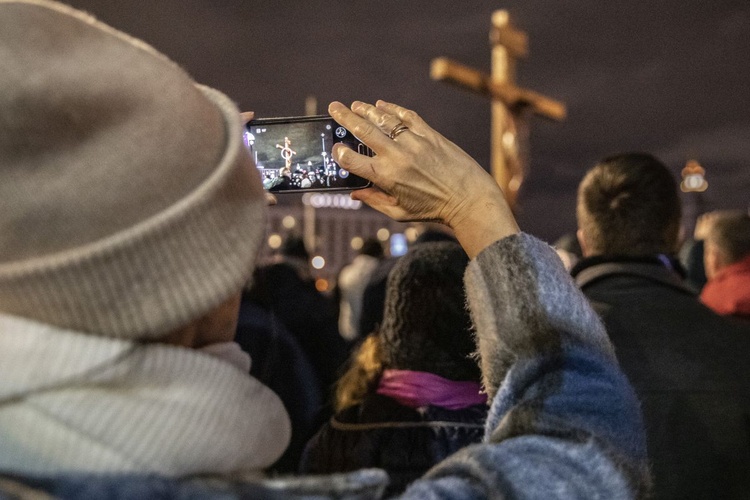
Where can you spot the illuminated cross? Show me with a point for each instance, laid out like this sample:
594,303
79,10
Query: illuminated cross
287,152
510,104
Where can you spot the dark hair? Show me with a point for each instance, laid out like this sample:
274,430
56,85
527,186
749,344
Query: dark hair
628,205
426,326
372,247
294,246
730,232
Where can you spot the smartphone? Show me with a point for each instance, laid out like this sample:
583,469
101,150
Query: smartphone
294,154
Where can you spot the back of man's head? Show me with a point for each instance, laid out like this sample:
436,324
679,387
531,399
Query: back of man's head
729,235
628,205
294,246
372,247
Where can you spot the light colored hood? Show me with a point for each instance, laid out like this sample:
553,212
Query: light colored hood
75,402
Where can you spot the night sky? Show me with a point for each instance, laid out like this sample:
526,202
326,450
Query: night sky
671,77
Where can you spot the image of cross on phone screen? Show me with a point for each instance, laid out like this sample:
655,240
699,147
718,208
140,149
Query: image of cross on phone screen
294,154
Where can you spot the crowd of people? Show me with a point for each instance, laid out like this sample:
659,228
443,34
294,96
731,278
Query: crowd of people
145,353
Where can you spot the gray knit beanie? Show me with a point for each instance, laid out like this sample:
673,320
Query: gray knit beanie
128,204
426,326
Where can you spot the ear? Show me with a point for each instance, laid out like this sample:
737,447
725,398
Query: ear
713,259
582,241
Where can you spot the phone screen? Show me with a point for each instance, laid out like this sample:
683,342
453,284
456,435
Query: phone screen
294,154
399,245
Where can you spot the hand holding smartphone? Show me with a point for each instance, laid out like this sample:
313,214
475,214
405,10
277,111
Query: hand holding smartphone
294,154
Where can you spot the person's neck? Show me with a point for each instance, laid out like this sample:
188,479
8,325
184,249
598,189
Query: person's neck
737,266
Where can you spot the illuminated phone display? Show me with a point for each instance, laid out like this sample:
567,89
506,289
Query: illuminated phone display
294,154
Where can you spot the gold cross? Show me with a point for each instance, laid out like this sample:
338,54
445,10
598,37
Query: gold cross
510,104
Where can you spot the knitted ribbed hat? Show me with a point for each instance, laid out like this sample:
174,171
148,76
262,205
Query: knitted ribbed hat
128,204
426,326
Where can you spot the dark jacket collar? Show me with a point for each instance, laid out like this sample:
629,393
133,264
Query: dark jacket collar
657,268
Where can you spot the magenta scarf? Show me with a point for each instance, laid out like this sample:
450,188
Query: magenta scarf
417,389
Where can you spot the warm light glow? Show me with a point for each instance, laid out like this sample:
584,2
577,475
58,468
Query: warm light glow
321,284
514,183
357,243
274,241
693,184
289,222
323,200
693,180
383,234
318,262
500,17
411,234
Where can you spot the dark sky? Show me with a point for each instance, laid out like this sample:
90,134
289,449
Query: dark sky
671,77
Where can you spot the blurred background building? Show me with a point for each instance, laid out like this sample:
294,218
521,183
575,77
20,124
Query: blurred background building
334,228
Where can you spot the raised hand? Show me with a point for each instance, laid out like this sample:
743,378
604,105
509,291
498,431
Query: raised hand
420,175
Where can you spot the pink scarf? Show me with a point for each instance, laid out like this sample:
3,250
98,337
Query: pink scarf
417,389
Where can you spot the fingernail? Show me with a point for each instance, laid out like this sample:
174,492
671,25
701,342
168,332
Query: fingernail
356,105
338,152
271,199
336,107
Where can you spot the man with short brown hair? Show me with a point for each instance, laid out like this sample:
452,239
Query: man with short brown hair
628,205
687,364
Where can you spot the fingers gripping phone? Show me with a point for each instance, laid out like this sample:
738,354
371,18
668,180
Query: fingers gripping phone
294,154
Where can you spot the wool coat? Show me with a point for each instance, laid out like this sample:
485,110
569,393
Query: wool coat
690,370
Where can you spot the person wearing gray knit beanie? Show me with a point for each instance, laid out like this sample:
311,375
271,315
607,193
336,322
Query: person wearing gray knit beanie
131,218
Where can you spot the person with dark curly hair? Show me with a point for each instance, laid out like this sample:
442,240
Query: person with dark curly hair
412,395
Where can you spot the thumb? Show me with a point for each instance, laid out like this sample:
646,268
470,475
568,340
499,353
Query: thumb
363,166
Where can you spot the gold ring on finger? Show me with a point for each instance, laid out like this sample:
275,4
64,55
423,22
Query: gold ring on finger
398,129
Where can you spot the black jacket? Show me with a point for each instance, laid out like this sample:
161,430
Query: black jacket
382,433
690,369
306,313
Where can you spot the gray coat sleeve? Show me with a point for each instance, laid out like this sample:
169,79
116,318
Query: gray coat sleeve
564,421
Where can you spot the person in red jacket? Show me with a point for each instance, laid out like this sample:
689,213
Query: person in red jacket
727,263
